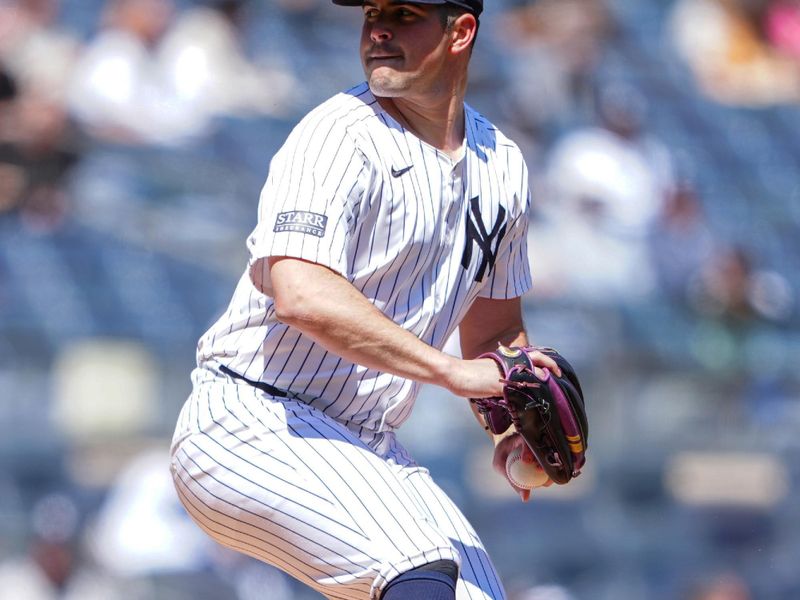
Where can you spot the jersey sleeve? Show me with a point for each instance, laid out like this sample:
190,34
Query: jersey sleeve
511,275
307,205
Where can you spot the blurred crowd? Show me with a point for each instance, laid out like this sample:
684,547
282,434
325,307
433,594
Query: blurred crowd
664,146
741,51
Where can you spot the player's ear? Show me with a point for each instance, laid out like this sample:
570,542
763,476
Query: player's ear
463,33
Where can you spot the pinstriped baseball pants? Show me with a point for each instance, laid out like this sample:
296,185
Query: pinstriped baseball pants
280,481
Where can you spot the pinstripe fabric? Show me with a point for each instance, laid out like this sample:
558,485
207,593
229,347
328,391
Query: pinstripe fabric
400,235
282,482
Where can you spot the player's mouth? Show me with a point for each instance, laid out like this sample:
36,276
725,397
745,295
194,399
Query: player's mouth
380,54
378,59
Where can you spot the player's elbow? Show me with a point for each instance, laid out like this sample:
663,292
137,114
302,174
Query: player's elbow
292,309
298,307
299,292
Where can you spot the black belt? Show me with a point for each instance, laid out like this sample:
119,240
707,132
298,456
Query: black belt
264,387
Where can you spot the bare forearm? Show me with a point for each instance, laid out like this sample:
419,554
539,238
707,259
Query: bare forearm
327,308
490,322
510,338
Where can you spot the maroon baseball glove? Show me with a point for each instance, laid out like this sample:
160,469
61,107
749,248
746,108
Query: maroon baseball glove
548,412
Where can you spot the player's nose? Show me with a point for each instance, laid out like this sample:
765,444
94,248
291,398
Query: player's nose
379,32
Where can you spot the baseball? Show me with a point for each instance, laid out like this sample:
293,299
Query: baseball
524,475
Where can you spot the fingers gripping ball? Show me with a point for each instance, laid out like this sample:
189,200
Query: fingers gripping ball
524,475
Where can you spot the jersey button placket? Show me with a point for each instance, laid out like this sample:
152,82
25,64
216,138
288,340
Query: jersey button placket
454,194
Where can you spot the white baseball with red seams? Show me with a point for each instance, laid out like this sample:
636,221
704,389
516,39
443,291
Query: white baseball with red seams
524,475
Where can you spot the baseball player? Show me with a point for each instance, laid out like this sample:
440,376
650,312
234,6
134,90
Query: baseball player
393,215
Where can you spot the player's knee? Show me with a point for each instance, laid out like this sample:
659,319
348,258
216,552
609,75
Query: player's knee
433,581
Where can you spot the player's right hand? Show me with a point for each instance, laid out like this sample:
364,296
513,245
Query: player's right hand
477,378
505,445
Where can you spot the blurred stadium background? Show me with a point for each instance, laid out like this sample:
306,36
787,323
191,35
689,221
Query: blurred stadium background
664,144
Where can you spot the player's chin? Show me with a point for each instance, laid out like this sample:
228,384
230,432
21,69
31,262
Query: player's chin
384,82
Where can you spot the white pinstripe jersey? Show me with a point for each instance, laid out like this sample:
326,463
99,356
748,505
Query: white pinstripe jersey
419,234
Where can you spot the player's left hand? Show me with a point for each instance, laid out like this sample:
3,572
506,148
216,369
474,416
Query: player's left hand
505,447
545,408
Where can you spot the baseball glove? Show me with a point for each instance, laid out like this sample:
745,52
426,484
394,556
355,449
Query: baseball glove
548,412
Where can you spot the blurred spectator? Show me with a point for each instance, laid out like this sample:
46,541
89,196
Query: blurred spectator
604,187
782,27
141,529
38,148
615,170
36,50
681,243
725,45
727,587
10,176
551,48
143,534
742,311
53,568
732,289
120,91
203,58
152,76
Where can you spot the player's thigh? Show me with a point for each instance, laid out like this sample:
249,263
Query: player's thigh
283,483
478,579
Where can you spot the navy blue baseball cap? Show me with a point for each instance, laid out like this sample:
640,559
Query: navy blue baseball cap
474,6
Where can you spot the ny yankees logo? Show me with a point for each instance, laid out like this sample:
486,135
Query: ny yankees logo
477,234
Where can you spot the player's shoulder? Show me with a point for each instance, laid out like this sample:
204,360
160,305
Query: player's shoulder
488,136
492,145
351,109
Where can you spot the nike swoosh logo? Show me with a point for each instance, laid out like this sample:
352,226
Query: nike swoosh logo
399,172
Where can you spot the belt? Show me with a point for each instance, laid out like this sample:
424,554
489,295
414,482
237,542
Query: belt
264,387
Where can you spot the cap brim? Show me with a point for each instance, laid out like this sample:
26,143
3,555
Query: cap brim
360,2
475,9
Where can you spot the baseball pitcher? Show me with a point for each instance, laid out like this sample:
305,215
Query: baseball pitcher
393,215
